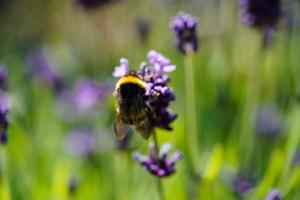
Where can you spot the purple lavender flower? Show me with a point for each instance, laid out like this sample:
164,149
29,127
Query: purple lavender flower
274,194
260,13
4,109
91,4
81,142
241,185
40,65
84,98
160,166
268,120
3,78
184,26
159,94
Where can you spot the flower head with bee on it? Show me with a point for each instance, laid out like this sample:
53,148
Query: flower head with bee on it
153,78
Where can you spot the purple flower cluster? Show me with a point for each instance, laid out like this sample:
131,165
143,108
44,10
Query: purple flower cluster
158,94
88,93
260,13
4,105
274,194
184,26
40,66
84,97
159,166
4,109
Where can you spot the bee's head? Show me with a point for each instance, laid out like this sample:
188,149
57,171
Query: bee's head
130,85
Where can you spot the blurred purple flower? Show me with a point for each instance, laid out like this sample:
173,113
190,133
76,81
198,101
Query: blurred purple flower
160,166
3,78
184,26
263,15
40,65
88,93
4,109
274,194
260,13
80,142
241,185
268,120
84,98
92,4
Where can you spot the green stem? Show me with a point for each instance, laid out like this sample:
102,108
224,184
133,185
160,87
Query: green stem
159,181
248,114
191,110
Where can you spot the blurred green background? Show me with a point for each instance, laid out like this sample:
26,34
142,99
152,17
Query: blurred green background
248,109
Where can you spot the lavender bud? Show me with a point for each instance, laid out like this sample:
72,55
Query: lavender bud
260,13
184,26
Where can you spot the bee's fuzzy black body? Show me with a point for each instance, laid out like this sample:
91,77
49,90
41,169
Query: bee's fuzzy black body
131,108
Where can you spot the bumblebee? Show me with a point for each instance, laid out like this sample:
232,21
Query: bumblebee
131,108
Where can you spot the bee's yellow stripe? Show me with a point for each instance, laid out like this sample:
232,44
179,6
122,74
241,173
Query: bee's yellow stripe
130,79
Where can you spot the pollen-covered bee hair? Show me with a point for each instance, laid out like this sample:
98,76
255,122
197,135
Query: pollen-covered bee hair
131,107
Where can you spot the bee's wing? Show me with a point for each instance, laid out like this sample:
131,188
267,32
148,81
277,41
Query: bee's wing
121,129
145,128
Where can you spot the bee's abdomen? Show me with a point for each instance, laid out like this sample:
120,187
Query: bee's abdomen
134,119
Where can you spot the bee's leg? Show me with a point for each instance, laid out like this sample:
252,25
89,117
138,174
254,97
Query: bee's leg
145,128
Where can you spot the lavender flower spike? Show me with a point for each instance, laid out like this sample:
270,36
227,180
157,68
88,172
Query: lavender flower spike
159,95
4,109
88,93
274,194
159,166
260,13
184,26
40,65
160,63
